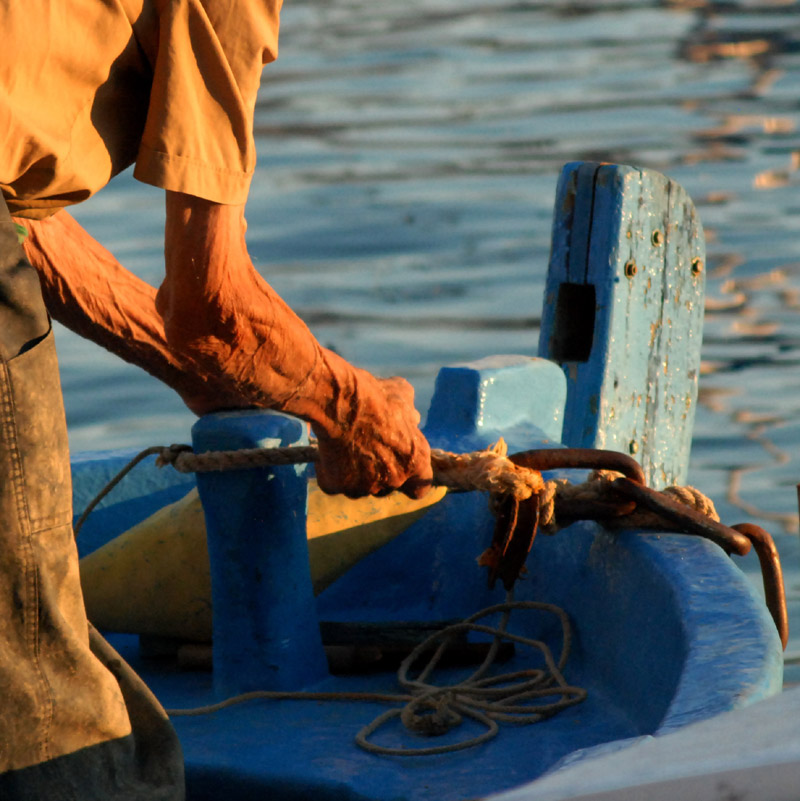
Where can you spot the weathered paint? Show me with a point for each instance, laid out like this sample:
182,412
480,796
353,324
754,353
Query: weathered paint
647,329
495,394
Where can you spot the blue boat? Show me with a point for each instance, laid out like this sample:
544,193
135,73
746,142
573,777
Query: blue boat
665,629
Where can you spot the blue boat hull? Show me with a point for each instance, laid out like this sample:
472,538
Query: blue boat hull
667,631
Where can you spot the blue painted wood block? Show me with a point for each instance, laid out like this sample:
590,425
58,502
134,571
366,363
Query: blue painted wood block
497,394
265,627
623,313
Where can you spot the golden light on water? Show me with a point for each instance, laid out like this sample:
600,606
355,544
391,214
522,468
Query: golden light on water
772,179
708,51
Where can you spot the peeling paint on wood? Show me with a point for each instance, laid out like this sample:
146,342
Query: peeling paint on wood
648,324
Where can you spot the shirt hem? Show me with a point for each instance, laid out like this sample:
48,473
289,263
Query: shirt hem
181,174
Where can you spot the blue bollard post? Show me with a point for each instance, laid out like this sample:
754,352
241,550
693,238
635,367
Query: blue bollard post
265,627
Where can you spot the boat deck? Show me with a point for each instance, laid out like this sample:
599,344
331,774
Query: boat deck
643,654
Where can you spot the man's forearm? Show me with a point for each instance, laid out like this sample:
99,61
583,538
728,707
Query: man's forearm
87,290
232,341
218,309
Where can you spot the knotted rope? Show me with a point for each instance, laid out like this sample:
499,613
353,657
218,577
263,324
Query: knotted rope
489,470
511,697
560,493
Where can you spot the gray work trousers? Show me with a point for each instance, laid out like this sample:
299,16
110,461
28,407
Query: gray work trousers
76,723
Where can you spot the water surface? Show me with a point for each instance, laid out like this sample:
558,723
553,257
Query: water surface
408,155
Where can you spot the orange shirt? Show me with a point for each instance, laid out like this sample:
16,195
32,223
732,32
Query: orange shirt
88,87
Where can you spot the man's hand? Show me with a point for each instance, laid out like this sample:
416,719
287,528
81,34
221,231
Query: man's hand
384,450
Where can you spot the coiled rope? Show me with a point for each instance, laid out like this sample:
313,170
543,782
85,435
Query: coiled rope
432,710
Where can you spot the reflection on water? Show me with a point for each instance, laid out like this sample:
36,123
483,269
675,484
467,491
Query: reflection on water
408,155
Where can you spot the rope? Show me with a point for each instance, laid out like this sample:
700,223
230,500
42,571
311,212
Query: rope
489,470
507,697
156,449
597,488
185,460
691,496
430,710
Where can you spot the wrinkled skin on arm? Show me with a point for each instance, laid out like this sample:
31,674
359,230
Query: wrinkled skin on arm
222,338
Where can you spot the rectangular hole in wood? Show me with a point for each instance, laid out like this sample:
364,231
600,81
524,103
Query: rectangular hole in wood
573,330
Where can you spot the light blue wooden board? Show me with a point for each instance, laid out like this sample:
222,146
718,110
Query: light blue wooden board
632,373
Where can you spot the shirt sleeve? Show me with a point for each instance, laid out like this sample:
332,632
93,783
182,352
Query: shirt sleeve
198,136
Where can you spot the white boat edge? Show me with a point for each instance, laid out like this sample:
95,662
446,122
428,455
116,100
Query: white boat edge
748,754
